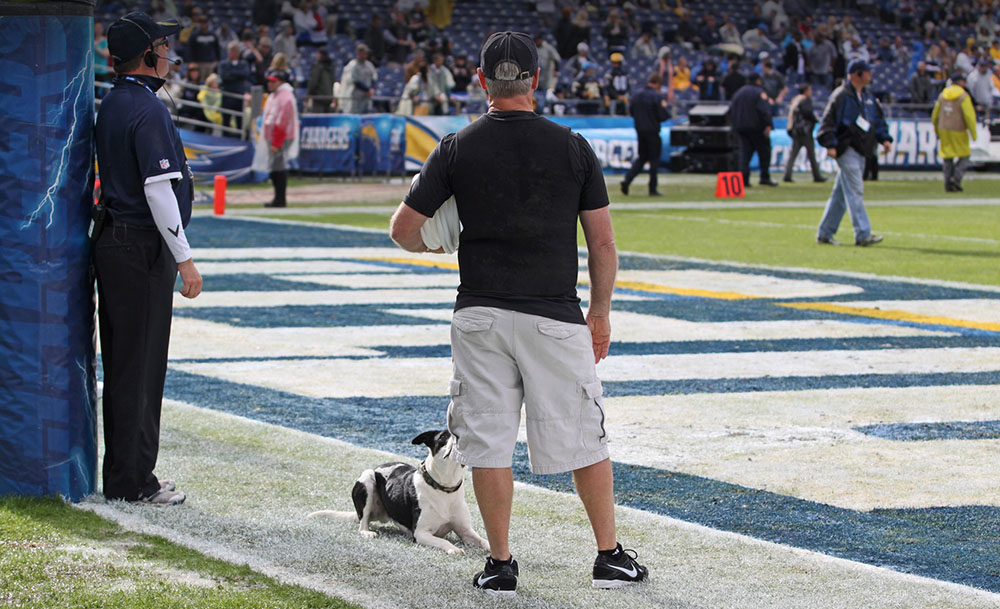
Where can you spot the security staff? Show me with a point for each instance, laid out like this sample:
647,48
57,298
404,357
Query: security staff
147,192
750,113
648,110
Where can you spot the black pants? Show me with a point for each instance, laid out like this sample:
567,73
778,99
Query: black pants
751,142
135,283
798,143
871,167
233,120
650,148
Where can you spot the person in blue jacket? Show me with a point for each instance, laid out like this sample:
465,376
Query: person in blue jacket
852,126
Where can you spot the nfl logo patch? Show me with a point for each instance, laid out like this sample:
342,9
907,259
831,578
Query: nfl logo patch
164,164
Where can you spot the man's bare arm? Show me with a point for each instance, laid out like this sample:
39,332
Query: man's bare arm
602,261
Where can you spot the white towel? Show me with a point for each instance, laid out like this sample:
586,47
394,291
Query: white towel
442,230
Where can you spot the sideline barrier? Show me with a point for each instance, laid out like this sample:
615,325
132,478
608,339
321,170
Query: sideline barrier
374,144
48,416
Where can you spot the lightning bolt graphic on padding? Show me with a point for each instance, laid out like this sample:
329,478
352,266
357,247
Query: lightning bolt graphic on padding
57,182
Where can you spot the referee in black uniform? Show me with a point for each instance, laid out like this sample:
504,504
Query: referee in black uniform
648,110
139,250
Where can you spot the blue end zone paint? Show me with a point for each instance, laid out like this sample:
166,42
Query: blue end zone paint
317,316
953,544
990,339
797,383
948,430
252,282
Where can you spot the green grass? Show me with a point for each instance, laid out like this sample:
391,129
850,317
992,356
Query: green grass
53,556
951,243
954,243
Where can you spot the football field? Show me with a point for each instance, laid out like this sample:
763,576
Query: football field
781,436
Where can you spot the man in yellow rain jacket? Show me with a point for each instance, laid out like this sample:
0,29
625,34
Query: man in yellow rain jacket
954,119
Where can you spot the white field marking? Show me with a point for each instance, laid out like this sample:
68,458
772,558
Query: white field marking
805,363
803,443
337,378
251,300
200,339
277,267
383,280
250,486
640,327
758,286
969,309
312,253
796,204
812,271
379,377
808,227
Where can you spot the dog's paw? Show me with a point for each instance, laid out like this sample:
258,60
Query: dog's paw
369,534
485,545
454,550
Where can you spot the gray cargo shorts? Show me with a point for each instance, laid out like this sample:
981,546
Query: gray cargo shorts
504,358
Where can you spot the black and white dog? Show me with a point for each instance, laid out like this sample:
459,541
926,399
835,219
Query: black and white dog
426,500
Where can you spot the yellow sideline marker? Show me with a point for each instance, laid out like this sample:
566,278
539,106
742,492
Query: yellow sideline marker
413,261
663,289
891,315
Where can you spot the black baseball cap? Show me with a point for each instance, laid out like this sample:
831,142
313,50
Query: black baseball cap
135,32
516,47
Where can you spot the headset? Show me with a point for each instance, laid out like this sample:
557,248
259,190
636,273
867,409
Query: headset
150,58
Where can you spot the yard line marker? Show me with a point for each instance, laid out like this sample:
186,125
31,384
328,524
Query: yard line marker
891,315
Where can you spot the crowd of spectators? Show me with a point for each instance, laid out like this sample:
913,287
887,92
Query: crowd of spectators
704,55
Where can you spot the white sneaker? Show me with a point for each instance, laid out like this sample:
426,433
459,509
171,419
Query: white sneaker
167,485
163,497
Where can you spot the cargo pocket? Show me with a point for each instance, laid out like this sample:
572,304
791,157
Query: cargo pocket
469,322
559,330
592,417
456,423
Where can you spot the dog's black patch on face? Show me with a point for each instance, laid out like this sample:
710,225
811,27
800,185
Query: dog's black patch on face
360,496
434,439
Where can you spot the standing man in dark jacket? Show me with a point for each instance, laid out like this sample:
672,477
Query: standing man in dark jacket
648,110
851,127
801,121
234,76
750,113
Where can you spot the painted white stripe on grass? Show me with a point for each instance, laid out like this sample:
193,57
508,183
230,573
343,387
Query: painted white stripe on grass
805,363
200,339
429,376
758,286
393,280
803,443
643,328
337,378
968,309
306,253
277,267
251,300
250,485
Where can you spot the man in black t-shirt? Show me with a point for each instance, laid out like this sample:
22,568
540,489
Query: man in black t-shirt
520,184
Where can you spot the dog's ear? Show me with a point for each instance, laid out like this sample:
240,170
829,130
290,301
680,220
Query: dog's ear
426,438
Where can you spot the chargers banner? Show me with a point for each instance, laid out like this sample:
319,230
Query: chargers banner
381,143
209,156
329,142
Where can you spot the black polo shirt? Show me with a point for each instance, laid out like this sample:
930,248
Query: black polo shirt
648,111
520,182
138,144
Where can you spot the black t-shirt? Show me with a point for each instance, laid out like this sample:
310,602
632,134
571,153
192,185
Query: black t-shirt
520,182
138,144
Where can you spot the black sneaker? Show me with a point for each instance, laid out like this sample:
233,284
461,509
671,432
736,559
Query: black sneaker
499,578
618,569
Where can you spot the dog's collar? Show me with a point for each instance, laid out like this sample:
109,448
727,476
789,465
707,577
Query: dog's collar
434,484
